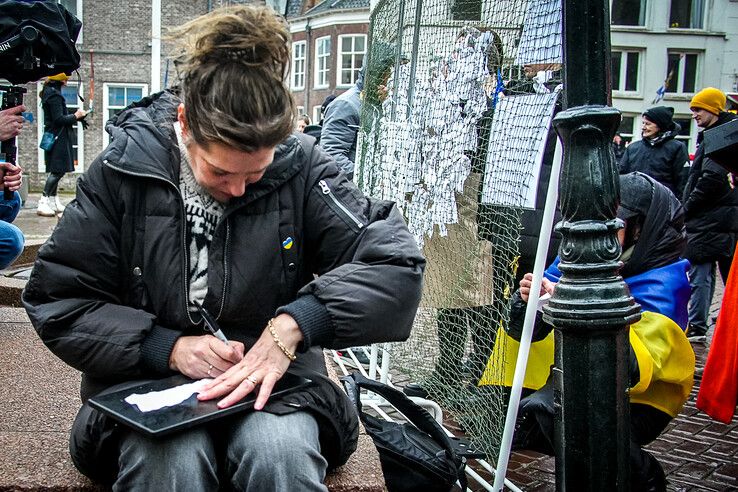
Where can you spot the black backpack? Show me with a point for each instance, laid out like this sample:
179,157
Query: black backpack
415,456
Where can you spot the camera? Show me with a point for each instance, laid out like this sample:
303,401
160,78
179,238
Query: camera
37,39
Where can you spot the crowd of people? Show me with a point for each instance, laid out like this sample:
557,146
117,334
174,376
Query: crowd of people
705,188
316,275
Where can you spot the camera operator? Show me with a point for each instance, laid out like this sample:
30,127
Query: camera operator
11,122
11,238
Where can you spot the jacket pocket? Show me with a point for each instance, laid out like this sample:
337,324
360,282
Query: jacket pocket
340,209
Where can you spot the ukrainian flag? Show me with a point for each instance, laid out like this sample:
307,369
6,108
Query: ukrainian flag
665,357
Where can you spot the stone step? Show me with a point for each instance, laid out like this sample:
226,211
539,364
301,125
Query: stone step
13,278
40,403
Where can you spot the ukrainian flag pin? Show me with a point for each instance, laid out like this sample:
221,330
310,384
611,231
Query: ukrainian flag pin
287,243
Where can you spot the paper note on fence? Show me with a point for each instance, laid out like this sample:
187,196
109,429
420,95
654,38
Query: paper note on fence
156,400
517,141
541,38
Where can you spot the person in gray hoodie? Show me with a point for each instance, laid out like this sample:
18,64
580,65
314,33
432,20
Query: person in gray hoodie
341,126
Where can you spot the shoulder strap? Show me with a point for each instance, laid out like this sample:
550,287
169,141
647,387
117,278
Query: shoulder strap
416,414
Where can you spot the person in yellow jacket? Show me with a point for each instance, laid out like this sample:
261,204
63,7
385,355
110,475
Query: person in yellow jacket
661,364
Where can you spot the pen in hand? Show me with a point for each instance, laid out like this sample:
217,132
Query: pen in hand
211,325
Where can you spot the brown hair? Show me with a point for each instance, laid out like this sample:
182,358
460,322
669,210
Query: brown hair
231,68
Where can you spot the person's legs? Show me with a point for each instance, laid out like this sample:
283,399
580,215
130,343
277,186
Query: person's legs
267,452
452,332
646,424
724,267
47,206
701,279
646,473
483,325
185,461
11,238
52,183
11,244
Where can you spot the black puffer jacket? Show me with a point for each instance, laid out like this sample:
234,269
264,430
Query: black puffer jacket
664,159
711,206
108,292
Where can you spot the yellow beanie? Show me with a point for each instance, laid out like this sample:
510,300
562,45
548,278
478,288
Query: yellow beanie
709,99
61,77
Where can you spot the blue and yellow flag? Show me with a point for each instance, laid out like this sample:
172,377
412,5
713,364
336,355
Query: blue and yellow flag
665,357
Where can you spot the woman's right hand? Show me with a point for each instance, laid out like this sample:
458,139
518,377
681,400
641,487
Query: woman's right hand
204,356
80,113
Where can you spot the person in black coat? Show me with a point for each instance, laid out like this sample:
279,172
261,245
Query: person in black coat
658,154
618,147
711,205
60,121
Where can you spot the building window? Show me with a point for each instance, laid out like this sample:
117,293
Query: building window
351,51
322,61
687,14
626,128
317,116
466,10
681,75
298,65
116,97
625,70
300,111
75,8
628,12
69,92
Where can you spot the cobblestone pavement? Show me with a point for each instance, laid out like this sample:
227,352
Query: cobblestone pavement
697,453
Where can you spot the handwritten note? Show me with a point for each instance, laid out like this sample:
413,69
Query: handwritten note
155,400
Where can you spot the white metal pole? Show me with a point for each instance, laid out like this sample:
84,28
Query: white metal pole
530,316
155,46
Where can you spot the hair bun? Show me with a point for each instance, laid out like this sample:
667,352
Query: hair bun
253,36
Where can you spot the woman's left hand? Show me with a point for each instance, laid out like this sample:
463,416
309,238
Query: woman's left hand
263,365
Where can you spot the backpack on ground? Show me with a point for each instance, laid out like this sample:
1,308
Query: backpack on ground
416,455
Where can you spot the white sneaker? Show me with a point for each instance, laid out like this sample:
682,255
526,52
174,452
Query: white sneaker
45,207
56,203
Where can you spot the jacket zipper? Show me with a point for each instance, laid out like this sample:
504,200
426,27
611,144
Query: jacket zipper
186,263
225,267
339,207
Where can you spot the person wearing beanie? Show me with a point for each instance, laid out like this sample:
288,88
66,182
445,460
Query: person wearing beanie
658,154
59,121
711,208
711,100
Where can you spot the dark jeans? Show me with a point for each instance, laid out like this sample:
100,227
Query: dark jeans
536,423
702,280
52,184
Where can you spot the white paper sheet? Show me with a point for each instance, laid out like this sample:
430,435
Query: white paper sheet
155,400
517,141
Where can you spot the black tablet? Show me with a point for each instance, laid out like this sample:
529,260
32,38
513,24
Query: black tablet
189,413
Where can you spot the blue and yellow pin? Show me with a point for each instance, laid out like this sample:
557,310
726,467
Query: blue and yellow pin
287,243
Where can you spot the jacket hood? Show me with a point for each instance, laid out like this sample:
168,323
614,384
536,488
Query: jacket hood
663,237
143,139
144,142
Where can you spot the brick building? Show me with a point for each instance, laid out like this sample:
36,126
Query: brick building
117,38
328,45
